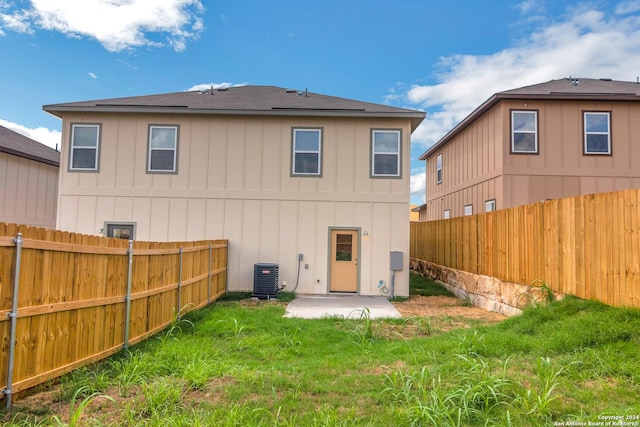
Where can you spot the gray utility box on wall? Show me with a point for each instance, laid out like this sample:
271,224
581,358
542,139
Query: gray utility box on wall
396,261
265,281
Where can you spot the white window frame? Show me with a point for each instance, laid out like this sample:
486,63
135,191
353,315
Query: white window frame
520,131
490,205
74,148
295,152
468,210
446,214
116,227
397,153
439,168
151,149
588,133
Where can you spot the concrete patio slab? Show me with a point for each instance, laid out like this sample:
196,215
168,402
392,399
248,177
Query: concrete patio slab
345,306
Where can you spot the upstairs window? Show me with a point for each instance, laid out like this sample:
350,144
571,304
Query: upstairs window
597,133
385,153
307,152
163,149
446,214
439,169
490,205
524,132
85,144
468,210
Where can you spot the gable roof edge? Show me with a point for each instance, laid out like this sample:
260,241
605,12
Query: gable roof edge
467,121
19,145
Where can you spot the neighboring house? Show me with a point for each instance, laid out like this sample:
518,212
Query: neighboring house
28,180
314,183
414,216
419,213
561,138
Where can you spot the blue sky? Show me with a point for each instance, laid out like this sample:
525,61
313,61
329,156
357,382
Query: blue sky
443,57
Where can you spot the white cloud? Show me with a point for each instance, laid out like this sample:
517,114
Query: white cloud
529,6
17,21
418,184
48,137
116,24
628,7
588,44
93,75
207,86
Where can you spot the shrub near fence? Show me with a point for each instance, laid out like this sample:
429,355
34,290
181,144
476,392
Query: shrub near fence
587,246
76,293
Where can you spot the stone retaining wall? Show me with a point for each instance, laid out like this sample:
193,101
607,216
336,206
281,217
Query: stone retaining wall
486,292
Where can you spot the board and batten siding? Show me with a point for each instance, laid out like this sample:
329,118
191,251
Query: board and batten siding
478,164
471,170
28,191
561,169
234,182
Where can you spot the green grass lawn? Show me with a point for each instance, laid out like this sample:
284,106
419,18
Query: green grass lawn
419,285
240,364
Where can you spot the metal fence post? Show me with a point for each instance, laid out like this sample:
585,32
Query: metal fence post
209,274
127,298
13,315
180,285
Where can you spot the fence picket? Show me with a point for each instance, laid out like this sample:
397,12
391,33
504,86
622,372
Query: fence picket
586,246
71,300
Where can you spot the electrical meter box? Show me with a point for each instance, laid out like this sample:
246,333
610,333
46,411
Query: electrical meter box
396,260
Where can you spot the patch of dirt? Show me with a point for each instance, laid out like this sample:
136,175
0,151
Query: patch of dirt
255,302
421,306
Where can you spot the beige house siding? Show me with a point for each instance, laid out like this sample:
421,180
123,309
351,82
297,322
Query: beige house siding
234,182
28,191
478,164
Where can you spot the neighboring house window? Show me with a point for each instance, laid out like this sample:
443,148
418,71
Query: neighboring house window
597,133
490,205
468,210
385,153
524,131
163,149
85,146
307,152
446,214
439,169
120,230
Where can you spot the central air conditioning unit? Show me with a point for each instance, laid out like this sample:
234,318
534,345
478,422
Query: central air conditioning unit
265,281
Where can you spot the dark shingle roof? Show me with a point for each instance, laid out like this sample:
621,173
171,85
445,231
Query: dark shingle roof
245,100
569,89
19,145
578,88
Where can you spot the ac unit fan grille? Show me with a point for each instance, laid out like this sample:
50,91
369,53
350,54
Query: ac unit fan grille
265,281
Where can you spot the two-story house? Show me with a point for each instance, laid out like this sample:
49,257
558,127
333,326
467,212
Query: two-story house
562,138
316,184
28,180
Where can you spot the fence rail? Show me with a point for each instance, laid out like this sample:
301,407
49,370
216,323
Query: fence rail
67,299
587,246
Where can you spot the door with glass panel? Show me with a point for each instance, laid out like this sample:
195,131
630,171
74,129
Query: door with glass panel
343,261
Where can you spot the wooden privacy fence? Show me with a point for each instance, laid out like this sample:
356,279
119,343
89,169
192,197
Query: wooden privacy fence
67,299
587,246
